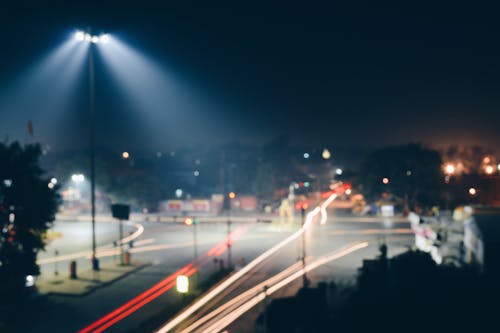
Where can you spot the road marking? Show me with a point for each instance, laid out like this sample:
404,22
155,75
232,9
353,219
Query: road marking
403,231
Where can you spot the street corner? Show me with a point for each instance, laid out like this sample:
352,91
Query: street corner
87,281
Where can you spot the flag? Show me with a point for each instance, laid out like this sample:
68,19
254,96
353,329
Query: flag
30,128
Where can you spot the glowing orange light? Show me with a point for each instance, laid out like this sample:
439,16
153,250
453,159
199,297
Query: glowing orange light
232,195
489,169
385,180
188,221
472,191
125,155
449,169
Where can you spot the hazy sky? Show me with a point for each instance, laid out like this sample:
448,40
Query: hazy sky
362,73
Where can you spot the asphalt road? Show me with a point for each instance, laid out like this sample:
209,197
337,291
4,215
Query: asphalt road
169,246
337,233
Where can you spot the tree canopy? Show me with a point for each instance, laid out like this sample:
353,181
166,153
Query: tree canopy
28,205
413,174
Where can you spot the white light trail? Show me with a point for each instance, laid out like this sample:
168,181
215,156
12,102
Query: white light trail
243,296
84,254
323,208
226,283
236,313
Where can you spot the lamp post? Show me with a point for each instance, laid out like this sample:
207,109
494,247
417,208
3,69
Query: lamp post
92,39
231,196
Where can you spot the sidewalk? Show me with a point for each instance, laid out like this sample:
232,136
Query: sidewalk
87,281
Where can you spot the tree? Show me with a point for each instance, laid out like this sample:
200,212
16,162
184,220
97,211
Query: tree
28,205
413,173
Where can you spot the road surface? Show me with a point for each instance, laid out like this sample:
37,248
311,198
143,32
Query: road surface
169,247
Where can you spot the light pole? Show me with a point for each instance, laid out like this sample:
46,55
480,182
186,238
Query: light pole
305,280
92,39
231,195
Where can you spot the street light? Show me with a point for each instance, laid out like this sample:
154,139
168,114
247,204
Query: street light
449,169
93,39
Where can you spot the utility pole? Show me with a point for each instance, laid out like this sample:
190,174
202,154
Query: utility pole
195,241
229,238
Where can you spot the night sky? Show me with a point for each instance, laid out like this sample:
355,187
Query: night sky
362,73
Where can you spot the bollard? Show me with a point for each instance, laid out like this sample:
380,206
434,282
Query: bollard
95,264
72,270
127,258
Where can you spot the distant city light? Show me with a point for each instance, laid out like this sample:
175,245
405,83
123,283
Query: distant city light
339,171
385,180
51,185
232,195
498,167
196,173
326,154
159,154
178,193
408,173
306,184
7,182
486,160
125,155
78,178
197,162
53,180
348,191
472,191
188,221
449,169
306,155
489,169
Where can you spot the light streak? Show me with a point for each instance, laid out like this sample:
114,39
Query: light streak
159,286
85,254
236,313
226,283
323,208
245,295
150,294
143,302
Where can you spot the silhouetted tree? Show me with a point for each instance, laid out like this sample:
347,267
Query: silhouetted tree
27,209
414,174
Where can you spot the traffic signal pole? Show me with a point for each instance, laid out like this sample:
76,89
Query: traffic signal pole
305,280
